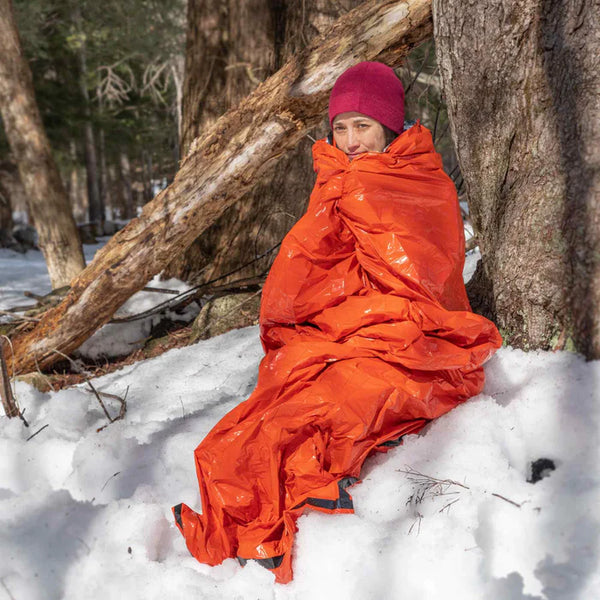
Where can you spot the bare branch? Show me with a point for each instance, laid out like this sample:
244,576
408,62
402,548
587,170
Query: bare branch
11,409
38,431
428,486
112,88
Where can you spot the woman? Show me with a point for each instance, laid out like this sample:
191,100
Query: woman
366,327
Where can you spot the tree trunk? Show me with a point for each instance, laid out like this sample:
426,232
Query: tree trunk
125,170
103,187
47,200
221,167
146,171
12,188
254,39
205,61
6,220
116,194
75,190
177,72
521,79
96,210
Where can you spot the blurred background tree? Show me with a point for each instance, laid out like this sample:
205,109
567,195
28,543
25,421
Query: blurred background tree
108,80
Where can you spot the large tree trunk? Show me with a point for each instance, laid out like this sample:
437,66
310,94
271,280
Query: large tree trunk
47,200
247,41
222,166
204,81
521,79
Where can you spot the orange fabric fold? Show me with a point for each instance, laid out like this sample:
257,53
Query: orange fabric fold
368,335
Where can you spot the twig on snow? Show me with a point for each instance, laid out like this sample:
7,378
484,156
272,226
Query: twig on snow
506,499
98,394
111,477
38,431
448,505
6,589
432,486
123,402
417,522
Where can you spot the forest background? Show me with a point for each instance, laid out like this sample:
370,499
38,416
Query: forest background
122,95
124,90
109,83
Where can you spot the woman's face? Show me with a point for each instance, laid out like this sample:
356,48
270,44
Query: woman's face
355,133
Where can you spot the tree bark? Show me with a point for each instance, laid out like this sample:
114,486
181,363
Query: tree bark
222,166
522,81
205,61
47,200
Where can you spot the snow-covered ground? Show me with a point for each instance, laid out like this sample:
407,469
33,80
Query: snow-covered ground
85,514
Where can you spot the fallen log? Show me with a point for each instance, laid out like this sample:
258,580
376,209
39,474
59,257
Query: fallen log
219,168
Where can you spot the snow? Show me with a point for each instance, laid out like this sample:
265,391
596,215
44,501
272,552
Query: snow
85,514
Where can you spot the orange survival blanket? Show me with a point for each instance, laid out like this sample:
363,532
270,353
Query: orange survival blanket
368,335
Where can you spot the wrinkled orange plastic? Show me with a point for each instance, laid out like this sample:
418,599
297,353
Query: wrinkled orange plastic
368,335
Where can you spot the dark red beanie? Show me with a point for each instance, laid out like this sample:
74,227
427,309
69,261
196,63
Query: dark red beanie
370,88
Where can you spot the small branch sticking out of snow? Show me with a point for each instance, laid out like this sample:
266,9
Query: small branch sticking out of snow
6,393
7,590
111,477
38,431
98,394
123,402
432,486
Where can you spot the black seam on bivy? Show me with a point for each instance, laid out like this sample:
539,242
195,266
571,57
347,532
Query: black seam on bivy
344,501
177,513
268,563
392,443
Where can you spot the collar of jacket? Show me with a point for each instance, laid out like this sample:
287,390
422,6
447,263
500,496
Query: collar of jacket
414,145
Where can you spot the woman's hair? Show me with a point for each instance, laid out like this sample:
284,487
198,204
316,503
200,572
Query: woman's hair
390,135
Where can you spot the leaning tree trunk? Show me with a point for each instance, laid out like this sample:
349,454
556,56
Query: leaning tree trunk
222,166
522,81
47,200
247,41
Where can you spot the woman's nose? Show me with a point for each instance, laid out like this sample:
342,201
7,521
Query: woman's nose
352,140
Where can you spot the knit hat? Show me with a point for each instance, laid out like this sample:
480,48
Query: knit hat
370,88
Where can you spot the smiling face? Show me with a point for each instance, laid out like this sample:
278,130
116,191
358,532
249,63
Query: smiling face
355,133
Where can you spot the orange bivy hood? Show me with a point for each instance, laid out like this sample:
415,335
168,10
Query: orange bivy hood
368,335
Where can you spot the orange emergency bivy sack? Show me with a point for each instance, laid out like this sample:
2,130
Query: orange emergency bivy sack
368,335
